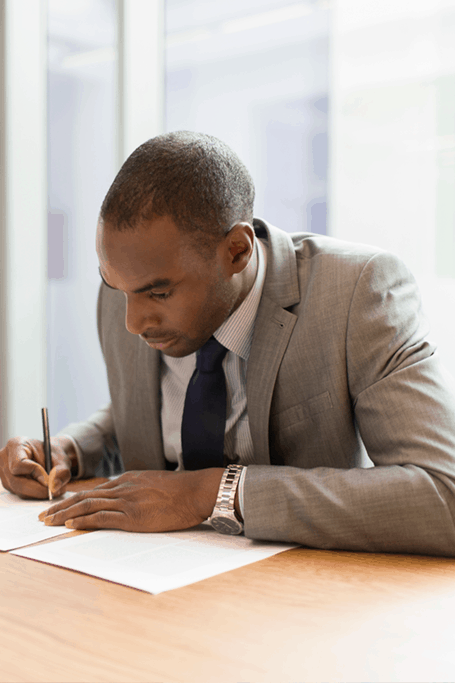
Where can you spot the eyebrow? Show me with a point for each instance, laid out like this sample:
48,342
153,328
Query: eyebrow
156,284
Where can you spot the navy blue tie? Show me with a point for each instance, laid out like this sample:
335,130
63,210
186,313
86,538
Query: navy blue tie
204,413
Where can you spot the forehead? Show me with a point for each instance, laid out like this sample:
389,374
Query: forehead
156,249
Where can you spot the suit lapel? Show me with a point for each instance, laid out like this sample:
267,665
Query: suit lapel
272,331
151,361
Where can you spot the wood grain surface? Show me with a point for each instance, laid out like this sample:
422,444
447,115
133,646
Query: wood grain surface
303,615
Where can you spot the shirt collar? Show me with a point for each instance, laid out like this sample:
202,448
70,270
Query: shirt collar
236,333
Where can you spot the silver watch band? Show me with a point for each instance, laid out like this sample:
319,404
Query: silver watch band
224,518
228,487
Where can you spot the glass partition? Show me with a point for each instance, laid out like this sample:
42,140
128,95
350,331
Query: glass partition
393,142
255,74
82,106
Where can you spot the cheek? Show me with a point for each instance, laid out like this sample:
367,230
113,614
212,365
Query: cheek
197,312
193,310
182,311
203,308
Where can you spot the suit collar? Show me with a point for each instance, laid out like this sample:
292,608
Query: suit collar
236,333
281,282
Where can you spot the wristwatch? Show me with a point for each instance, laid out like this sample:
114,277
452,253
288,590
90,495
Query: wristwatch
224,518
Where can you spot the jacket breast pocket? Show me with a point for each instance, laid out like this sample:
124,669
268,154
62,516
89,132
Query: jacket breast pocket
298,434
319,404
303,411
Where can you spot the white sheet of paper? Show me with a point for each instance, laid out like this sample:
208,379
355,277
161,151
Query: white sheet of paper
154,562
19,523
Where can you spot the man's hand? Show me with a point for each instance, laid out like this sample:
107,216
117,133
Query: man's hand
22,466
141,501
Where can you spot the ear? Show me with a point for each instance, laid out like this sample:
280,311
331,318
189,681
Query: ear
237,250
241,245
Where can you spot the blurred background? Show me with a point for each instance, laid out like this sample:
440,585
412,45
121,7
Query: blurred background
343,111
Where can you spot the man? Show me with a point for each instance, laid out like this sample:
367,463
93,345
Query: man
322,354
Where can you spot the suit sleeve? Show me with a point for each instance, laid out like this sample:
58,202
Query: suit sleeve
404,408
96,443
95,437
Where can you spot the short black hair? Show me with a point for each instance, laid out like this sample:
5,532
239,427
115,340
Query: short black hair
194,178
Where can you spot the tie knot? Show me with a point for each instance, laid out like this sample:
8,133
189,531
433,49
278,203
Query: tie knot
210,356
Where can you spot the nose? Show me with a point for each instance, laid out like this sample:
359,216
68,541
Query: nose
140,315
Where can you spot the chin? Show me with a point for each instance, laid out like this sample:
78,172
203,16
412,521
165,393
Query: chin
185,347
178,351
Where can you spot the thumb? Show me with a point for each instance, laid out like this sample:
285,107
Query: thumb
59,476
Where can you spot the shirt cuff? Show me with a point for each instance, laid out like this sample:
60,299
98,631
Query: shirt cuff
240,486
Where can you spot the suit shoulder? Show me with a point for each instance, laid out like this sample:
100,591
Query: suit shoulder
310,245
322,254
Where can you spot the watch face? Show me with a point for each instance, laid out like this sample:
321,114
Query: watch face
225,525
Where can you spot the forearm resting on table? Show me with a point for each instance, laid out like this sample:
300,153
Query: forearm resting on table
142,501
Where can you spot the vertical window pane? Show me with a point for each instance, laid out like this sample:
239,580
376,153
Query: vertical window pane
393,142
81,164
255,74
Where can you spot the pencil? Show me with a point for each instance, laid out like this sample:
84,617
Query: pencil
47,445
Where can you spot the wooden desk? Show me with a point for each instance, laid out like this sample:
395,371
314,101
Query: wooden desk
303,615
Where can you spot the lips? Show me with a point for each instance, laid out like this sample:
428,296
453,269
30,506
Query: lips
159,343
155,340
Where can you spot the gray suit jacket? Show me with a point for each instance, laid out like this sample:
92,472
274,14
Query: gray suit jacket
339,363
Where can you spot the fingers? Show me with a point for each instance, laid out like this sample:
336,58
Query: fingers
22,464
99,520
83,503
84,513
22,468
27,488
62,505
20,472
112,483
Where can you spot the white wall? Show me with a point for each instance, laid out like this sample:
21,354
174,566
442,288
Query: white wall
392,131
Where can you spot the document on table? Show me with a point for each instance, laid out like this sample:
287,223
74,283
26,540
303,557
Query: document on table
154,562
19,523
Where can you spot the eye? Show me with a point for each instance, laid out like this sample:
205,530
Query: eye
160,295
